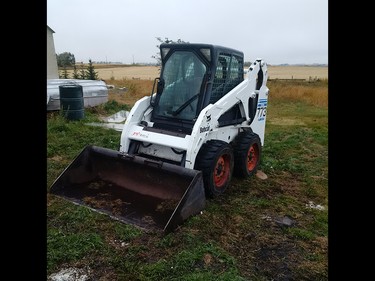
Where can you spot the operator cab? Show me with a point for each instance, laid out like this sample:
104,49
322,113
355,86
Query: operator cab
192,76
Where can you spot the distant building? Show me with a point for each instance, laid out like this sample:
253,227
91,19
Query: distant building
52,70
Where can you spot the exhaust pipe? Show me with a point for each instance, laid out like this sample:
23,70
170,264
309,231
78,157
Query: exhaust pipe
132,189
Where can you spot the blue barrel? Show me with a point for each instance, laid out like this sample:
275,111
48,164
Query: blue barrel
71,101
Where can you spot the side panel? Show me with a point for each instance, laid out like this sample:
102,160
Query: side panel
136,114
208,118
259,122
258,73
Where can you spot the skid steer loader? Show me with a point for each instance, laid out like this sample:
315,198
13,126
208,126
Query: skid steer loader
203,122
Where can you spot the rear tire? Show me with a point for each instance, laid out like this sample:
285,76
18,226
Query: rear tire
216,160
247,153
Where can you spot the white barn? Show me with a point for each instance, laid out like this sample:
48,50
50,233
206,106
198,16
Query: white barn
52,70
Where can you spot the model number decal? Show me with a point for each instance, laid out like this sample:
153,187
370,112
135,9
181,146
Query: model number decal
262,109
139,134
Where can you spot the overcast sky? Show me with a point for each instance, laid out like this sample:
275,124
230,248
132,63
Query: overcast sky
279,31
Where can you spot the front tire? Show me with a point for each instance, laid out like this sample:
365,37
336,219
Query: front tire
247,153
216,160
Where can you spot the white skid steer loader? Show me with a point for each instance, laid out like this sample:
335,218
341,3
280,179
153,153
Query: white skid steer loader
203,122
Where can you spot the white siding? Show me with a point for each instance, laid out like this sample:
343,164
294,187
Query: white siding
52,70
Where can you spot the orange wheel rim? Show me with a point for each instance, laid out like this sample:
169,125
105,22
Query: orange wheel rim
252,157
221,171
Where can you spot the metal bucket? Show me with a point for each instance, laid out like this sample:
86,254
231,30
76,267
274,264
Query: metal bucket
132,189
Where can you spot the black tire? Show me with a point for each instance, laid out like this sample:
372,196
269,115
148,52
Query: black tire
247,153
216,161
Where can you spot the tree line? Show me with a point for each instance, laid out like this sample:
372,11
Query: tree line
67,59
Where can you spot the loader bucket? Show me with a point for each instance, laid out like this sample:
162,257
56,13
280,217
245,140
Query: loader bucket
135,190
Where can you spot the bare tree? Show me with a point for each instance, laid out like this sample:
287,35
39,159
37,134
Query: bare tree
167,41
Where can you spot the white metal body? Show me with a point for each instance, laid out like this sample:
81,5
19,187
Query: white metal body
206,126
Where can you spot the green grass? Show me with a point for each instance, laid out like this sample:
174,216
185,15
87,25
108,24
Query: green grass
236,236
200,260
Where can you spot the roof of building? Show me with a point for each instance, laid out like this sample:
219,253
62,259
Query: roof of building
51,29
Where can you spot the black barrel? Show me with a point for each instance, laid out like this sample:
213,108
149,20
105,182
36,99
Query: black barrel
71,101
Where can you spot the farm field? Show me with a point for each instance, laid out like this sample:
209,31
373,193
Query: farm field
260,229
298,72
106,72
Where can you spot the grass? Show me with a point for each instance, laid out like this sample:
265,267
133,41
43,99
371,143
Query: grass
236,237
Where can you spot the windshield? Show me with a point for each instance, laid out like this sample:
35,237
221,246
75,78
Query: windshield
183,76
